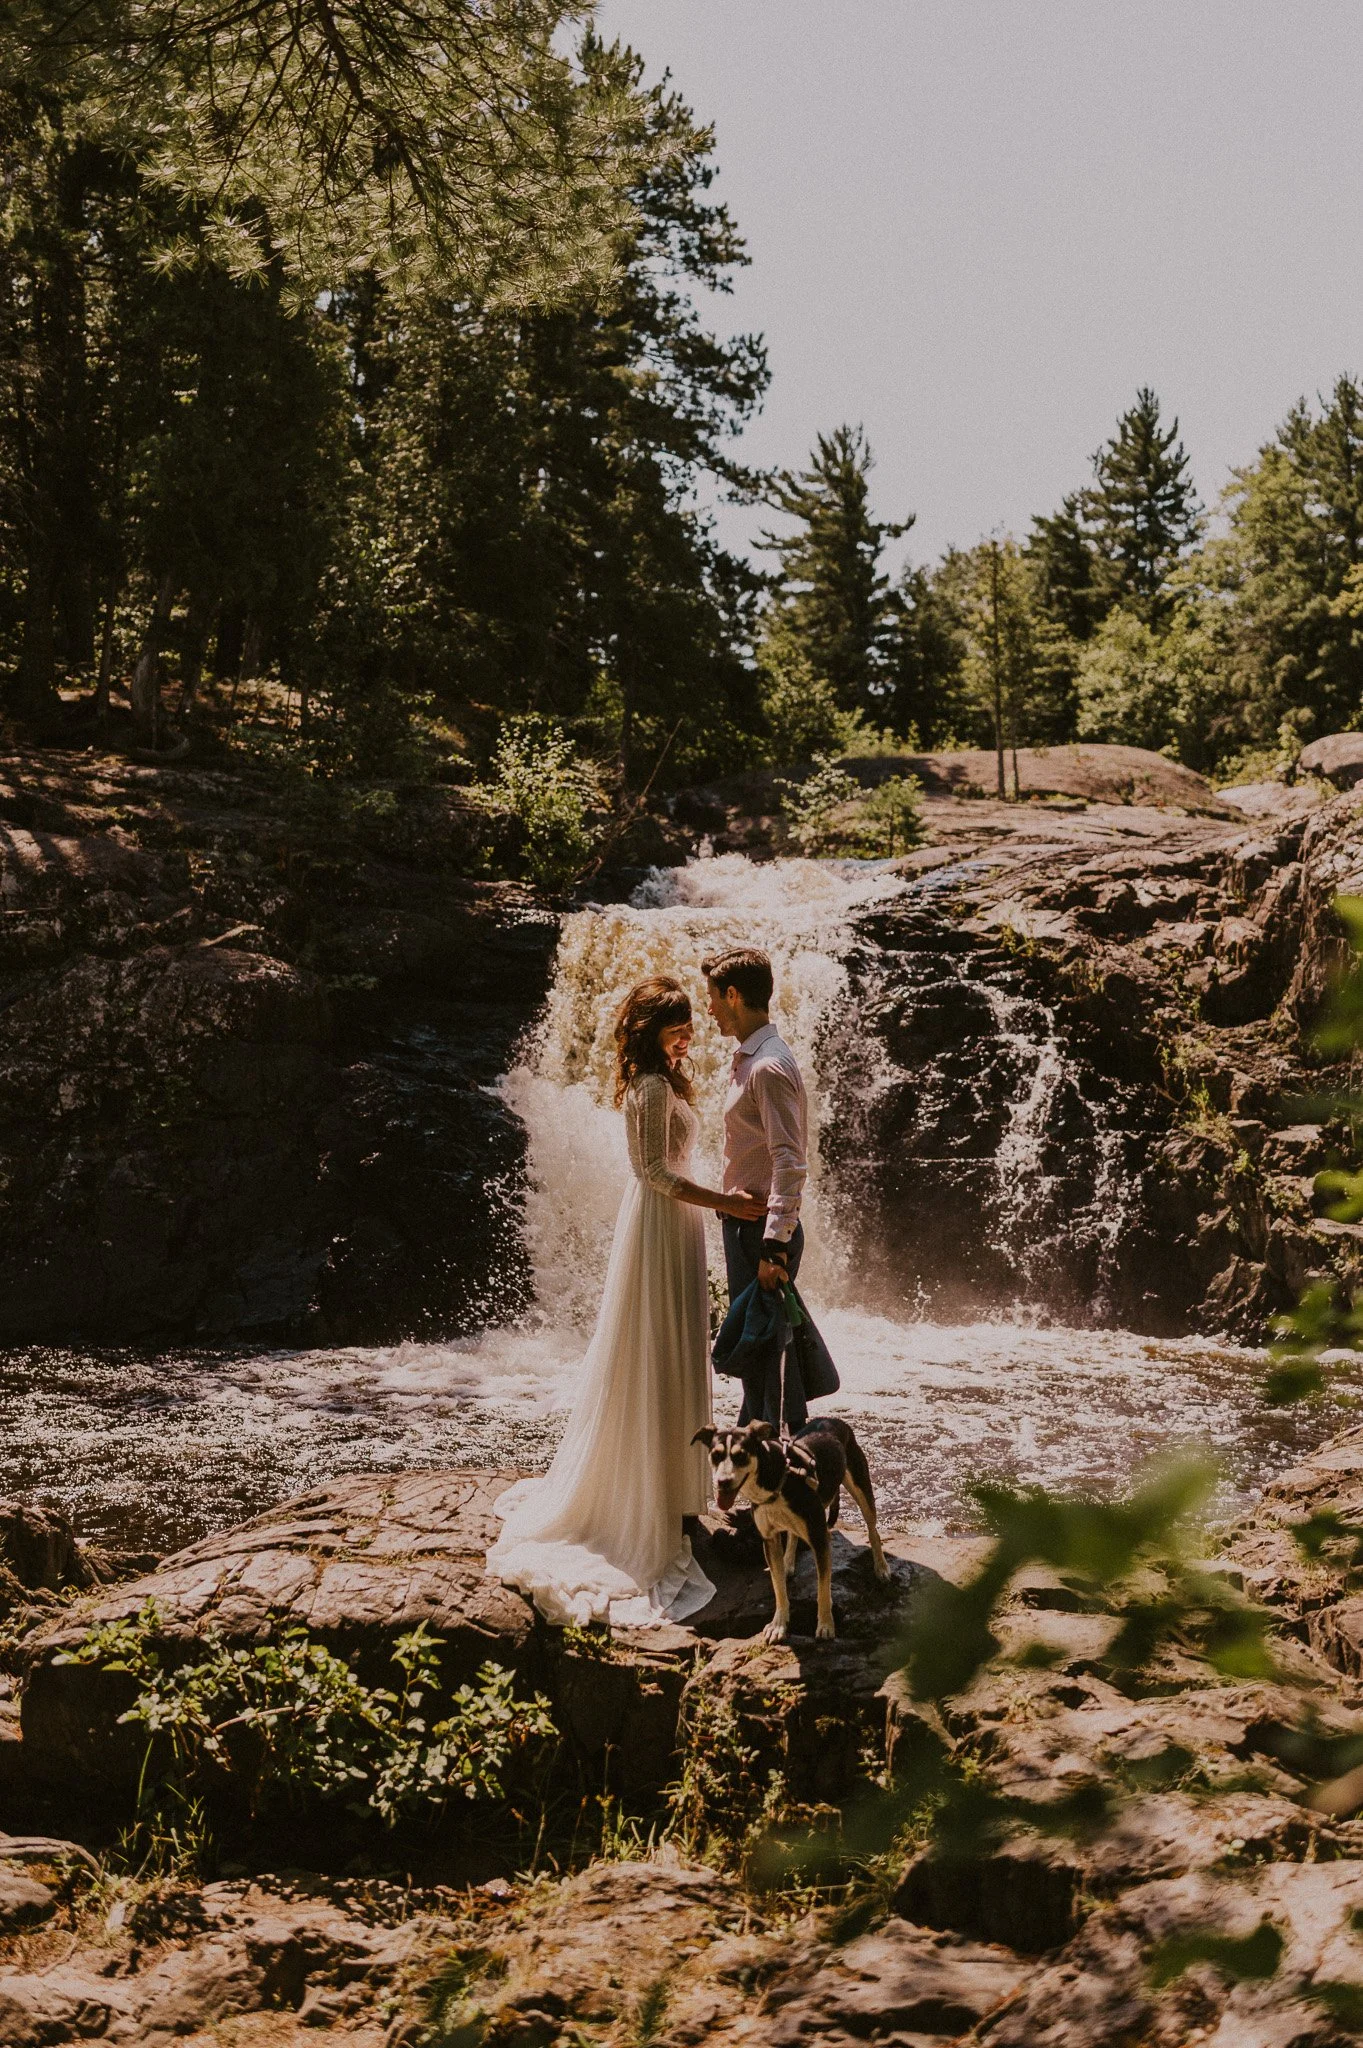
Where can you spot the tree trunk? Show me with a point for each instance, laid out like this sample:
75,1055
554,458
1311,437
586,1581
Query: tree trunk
198,625
106,655
228,646
146,683
997,672
253,647
35,691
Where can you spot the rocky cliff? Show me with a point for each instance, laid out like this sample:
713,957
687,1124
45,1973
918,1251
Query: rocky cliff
249,1033
1078,1072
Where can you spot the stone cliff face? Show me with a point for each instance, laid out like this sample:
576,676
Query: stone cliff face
1092,1049
246,1055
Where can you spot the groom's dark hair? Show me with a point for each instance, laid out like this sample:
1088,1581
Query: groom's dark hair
745,968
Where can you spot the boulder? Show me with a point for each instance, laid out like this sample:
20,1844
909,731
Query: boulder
358,1563
1337,758
38,1548
363,1560
900,1983
23,1901
1100,1988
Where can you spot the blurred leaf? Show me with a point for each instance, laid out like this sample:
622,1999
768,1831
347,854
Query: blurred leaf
949,1638
1322,1530
1347,1188
1296,1380
1099,1540
1343,2002
1251,1956
1234,1643
1340,1030
1144,1624
1037,1656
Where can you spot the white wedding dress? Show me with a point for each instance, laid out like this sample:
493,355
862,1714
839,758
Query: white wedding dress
599,1537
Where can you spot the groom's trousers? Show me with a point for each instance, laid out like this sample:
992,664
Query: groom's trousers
762,1383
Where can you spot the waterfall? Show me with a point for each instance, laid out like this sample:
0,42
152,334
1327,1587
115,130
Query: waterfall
802,913
1038,1217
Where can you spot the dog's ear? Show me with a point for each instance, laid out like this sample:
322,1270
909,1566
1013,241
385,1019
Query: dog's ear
761,1432
704,1436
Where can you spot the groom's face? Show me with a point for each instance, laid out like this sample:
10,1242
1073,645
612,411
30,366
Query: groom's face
724,1008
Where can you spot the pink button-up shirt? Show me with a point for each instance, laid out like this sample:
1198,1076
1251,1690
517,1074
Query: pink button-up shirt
766,1129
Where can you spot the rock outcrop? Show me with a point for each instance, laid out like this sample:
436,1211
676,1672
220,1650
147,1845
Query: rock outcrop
249,1040
1088,1052
362,1561
1220,1901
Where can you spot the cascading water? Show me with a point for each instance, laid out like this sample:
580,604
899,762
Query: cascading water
801,912
958,1145
1035,1212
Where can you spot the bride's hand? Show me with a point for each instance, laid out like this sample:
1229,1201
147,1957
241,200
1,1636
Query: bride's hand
747,1208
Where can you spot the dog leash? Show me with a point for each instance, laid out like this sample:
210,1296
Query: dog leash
794,1316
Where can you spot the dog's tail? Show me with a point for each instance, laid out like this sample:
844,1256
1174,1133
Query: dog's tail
858,1471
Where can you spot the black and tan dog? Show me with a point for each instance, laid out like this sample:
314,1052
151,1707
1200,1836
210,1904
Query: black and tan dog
795,1490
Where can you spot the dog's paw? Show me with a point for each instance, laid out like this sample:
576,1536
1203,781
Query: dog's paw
774,1632
883,1572
825,1632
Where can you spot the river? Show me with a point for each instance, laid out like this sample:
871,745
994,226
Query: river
151,1451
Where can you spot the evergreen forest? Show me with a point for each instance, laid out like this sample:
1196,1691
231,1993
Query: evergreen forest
357,408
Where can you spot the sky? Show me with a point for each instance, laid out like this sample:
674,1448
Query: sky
978,226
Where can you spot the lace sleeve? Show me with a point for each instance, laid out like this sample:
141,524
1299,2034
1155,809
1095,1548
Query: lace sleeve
650,1115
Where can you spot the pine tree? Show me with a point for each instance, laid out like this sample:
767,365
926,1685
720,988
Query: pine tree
839,603
1286,580
1142,508
1072,588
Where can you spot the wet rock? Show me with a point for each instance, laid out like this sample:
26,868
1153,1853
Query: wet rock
38,1548
190,1040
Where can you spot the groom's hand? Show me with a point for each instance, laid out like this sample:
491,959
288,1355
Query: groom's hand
771,1273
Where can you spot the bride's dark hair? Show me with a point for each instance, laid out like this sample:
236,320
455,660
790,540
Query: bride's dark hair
650,1008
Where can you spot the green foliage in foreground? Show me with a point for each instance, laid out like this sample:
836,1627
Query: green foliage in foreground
288,1719
1249,1959
1323,1320
1129,1558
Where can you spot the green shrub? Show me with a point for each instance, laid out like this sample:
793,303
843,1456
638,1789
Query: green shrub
290,1717
829,814
542,780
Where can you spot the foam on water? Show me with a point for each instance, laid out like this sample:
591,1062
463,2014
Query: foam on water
156,1451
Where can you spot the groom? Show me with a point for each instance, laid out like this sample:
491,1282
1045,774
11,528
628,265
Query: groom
766,1147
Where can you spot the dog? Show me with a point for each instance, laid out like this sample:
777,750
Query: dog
795,1490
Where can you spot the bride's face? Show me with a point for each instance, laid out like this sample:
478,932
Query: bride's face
674,1042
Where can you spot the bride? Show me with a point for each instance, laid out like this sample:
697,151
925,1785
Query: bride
600,1536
